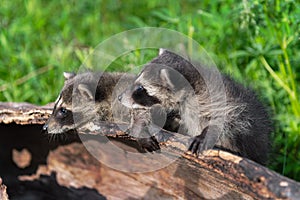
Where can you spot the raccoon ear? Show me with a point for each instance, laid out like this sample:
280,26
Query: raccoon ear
173,80
69,75
161,51
85,91
166,79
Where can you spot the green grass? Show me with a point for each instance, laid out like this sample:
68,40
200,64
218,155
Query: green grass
256,41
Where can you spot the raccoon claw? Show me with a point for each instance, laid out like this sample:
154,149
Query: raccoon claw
150,144
197,145
204,141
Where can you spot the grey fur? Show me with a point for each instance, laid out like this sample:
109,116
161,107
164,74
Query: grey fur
214,110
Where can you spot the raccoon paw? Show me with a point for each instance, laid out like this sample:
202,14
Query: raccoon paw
204,141
150,144
197,145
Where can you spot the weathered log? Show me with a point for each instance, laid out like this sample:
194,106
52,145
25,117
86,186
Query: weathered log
24,113
214,175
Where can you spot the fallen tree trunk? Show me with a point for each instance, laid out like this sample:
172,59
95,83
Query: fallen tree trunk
71,165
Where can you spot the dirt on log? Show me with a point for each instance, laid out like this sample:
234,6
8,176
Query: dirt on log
87,165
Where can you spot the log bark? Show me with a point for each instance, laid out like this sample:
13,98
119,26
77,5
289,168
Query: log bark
84,165
24,113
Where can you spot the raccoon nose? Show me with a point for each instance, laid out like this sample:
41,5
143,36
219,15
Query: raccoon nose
45,127
120,97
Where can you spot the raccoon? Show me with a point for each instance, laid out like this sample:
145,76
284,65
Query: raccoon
85,96
212,109
95,97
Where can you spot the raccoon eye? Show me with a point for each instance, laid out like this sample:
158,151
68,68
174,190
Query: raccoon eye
63,111
140,88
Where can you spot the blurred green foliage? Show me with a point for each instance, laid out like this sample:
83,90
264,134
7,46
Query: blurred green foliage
256,41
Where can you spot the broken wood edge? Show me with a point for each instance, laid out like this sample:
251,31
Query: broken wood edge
248,176
24,113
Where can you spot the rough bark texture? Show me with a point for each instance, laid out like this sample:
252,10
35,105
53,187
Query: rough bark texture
24,113
68,167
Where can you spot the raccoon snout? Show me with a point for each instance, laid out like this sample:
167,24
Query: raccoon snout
125,99
120,97
45,127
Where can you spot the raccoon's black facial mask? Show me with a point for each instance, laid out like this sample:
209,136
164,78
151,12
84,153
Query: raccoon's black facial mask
141,97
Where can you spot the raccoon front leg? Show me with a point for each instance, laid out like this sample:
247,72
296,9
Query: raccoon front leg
206,140
144,138
140,123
